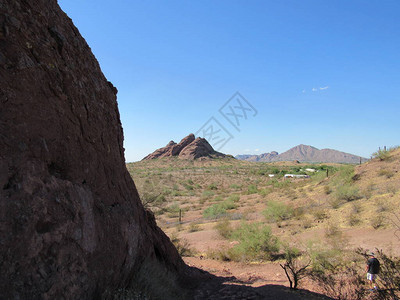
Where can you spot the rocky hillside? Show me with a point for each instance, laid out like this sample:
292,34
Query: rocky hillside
305,153
189,148
72,225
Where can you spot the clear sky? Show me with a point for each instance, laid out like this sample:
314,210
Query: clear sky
321,73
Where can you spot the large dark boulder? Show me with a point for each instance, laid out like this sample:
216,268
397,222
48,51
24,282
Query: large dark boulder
71,221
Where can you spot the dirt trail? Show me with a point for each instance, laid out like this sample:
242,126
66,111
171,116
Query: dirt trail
230,280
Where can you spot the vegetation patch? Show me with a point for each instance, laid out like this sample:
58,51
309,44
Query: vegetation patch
255,242
277,211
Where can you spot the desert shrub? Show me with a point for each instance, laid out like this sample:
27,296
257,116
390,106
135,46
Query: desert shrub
347,192
234,198
212,186
327,189
220,254
331,230
235,186
215,211
252,189
277,211
389,276
193,227
387,173
188,186
356,208
294,269
381,154
343,176
229,204
224,228
335,203
182,245
392,189
298,212
173,210
255,242
319,214
323,259
264,192
218,210
306,222
353,219
218,198
207,194
282,184
378,221
381,205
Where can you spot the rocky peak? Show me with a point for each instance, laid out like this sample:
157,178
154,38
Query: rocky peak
189,148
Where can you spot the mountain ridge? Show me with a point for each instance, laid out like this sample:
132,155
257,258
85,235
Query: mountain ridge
305,153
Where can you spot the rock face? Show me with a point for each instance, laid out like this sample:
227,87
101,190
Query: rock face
71,221
188,148
305,153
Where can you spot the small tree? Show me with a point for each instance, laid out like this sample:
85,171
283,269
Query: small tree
293,268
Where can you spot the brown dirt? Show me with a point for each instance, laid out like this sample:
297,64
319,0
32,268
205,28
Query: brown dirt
233,280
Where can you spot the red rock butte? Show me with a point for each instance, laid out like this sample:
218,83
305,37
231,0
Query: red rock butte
188,148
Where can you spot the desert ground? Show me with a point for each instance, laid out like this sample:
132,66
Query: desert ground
213,211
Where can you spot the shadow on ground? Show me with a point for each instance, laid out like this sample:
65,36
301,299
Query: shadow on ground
213,287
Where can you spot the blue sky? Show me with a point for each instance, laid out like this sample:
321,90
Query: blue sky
321,73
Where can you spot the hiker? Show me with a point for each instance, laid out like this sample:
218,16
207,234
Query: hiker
372,269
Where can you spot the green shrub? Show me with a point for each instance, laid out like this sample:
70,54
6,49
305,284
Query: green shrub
234,198
255,242
277,211
224,228
173,210
235,186
265,192
215,211
282,184
218,210
212,186
207,194
229,204
252,189
381,154
347,192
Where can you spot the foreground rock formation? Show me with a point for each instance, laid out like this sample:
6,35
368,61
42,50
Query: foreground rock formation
71,221
189,148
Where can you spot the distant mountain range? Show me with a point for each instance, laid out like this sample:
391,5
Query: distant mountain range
305,153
